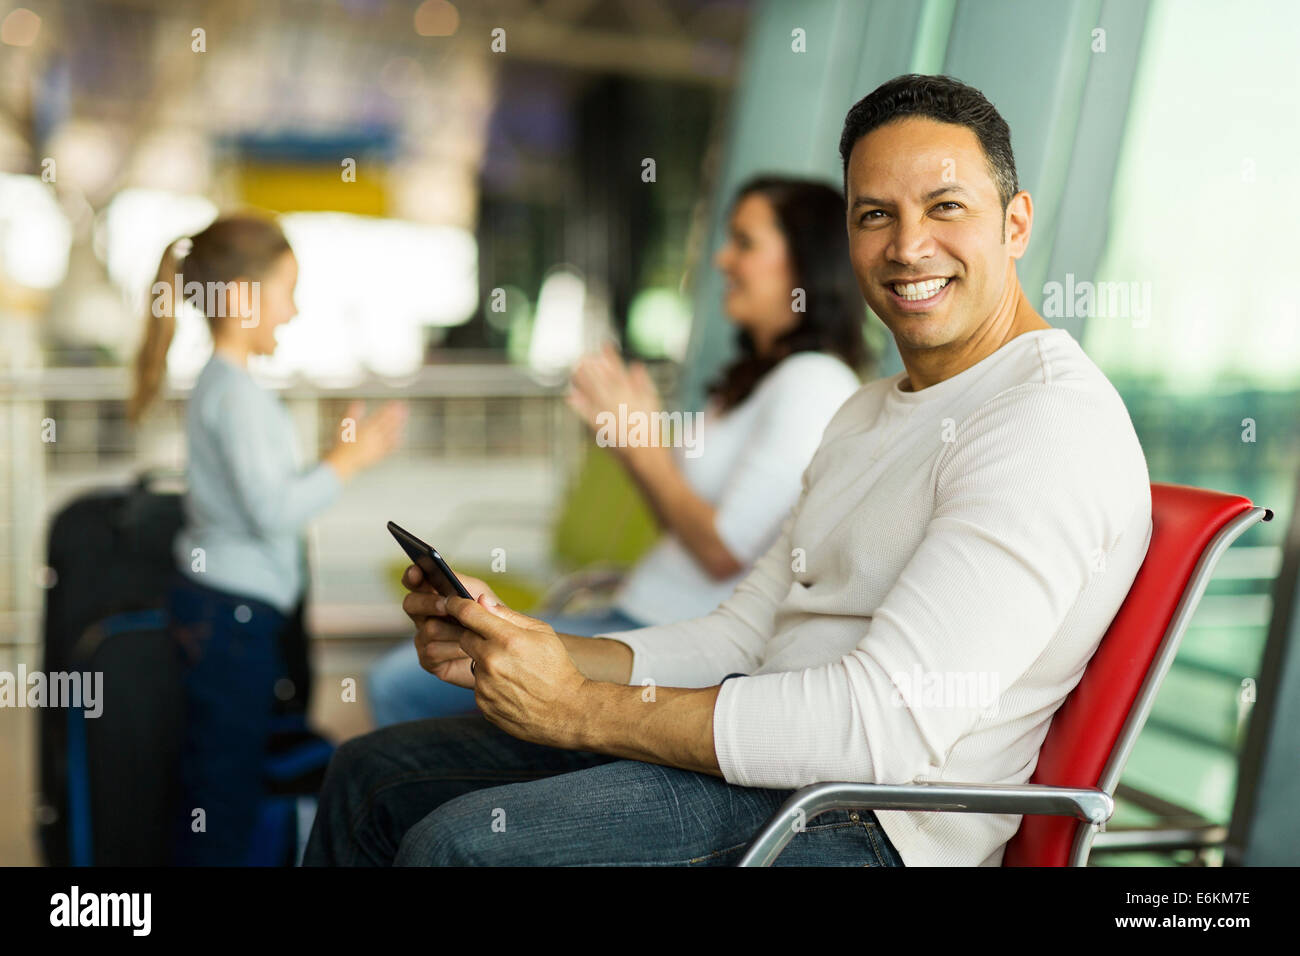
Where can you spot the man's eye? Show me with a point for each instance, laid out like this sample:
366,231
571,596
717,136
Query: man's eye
871,215
948,206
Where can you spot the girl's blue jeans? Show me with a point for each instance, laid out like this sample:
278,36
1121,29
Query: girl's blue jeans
230,652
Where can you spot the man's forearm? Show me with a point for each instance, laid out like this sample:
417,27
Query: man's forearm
600,658
672,726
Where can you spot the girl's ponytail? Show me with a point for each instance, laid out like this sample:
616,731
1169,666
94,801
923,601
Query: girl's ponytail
160,327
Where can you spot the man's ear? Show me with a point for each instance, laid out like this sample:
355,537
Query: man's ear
1018,223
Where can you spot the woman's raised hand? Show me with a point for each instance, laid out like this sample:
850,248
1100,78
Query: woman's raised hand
601,382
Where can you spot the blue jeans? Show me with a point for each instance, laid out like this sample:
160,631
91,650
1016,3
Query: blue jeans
230,651
400,689
458,791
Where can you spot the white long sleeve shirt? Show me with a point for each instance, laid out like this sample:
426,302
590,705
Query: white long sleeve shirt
954,559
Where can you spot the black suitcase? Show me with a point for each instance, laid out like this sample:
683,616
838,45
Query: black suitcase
109,783
110,560
121,767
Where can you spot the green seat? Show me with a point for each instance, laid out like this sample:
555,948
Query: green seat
605,520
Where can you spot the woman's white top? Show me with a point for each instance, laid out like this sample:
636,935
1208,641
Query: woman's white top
747,464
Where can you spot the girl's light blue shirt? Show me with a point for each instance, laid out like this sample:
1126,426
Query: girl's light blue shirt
249,498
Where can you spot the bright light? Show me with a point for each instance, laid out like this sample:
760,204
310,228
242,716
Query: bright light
136,228
436,18
558,328
659,324
20,27
1207,221
87,154
35,235
367,288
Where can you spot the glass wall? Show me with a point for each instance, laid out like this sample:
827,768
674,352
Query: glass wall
1194,318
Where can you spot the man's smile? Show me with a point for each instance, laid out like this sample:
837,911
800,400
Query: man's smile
919,295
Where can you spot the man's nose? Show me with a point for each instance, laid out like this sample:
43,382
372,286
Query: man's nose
911,241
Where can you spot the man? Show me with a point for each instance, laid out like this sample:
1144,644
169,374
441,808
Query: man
975,520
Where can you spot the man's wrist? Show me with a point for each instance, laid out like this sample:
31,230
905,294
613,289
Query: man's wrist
590,714
599,658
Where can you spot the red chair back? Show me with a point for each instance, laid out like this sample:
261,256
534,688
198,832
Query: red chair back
1085,729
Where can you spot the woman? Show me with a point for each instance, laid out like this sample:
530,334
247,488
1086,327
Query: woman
240,554
792,295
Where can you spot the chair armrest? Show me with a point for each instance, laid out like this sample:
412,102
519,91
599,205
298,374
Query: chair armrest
1088,804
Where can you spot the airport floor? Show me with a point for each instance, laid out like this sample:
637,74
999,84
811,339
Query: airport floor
335,660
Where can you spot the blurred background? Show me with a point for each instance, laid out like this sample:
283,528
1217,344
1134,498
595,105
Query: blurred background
430,159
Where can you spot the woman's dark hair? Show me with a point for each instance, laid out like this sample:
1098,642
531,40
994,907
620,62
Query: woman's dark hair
945,100
810,214
242,246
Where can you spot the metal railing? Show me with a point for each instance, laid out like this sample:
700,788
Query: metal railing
64,430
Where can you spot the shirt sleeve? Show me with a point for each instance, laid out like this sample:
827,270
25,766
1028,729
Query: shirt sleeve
702,651
1024,504
764,481
275,500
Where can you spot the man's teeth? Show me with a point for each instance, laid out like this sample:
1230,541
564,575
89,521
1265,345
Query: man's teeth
916,291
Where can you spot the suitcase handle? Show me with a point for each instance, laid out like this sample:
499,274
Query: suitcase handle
148,479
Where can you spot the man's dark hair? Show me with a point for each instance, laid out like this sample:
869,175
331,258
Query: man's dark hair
938,98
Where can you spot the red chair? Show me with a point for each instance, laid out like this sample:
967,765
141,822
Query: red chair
1071,792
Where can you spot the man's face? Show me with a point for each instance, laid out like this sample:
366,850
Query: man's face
923,209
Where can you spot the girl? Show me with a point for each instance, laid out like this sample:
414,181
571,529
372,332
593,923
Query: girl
240,555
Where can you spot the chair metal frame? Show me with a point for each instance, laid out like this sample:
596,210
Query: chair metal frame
1091,806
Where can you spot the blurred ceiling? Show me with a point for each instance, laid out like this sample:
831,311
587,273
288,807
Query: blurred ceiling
109,94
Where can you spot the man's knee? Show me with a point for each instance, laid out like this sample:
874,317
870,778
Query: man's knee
356,760
344,765
465,831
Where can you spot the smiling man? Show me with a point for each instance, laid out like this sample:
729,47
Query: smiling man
975,520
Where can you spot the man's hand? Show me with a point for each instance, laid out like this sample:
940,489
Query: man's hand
526,682
438,636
